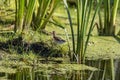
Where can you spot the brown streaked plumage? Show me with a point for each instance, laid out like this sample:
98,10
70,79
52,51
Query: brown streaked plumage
58,39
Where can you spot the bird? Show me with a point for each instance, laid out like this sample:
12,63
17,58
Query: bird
58,40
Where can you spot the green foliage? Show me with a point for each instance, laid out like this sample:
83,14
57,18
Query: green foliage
107,27
29,13
84,9
24,14
44,11
35,12
19,15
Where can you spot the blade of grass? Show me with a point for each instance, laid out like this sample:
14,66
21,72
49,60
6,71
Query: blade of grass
91,26
29,13
19,15
71,26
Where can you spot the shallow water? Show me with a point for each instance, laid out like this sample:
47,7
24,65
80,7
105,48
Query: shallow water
104,72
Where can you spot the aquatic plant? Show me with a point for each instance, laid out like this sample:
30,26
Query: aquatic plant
43,12
35,12
84,9
107,26
24,14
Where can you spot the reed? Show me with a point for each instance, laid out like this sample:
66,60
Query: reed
19,15
43,13
24,13
84,9
107,26
112,69
29,13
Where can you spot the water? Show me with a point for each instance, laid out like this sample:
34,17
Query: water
105,69
33,73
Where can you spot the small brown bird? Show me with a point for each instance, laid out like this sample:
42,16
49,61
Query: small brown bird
58,39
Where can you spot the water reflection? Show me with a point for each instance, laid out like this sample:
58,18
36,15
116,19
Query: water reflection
104,72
